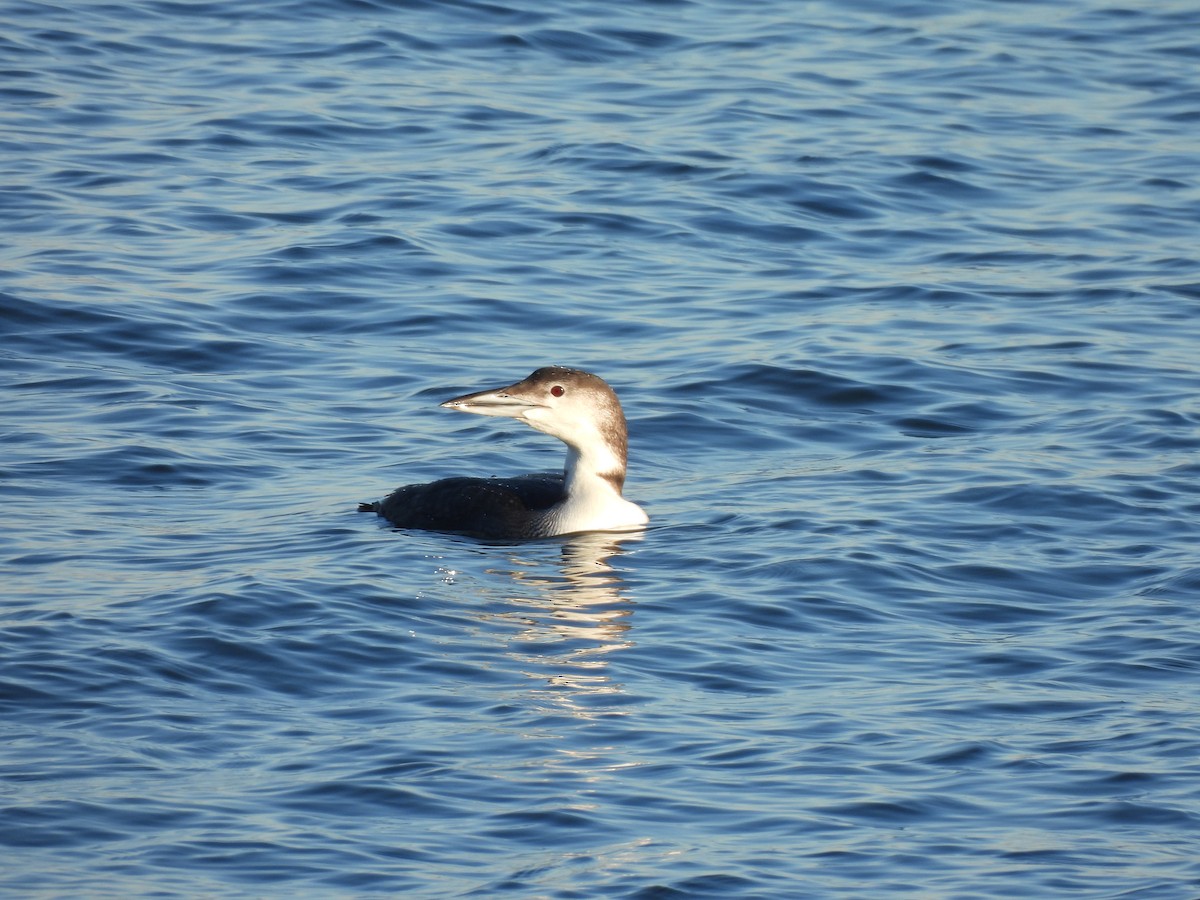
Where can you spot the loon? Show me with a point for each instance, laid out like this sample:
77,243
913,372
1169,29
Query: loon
576,407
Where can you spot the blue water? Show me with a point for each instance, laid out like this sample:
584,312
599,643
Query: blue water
902,300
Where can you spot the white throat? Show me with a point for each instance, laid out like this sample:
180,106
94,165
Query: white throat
593,481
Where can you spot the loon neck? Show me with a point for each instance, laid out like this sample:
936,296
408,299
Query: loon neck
593,500
593,473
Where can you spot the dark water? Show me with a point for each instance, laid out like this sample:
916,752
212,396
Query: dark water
903,302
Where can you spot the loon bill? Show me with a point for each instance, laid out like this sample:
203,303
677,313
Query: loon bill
576,407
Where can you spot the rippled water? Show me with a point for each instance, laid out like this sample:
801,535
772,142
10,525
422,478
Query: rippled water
902,300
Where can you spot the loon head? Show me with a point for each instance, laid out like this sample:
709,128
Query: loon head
576,407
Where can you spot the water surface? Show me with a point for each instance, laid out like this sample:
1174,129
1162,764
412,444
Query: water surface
901,300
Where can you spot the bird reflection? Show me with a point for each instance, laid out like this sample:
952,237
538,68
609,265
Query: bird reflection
569,616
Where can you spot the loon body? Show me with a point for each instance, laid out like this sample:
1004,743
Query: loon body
576,407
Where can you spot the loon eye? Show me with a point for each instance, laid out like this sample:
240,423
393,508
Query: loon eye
557,390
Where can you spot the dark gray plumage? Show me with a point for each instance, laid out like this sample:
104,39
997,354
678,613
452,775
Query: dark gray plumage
497,508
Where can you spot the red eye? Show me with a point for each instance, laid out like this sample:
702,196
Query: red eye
557,390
